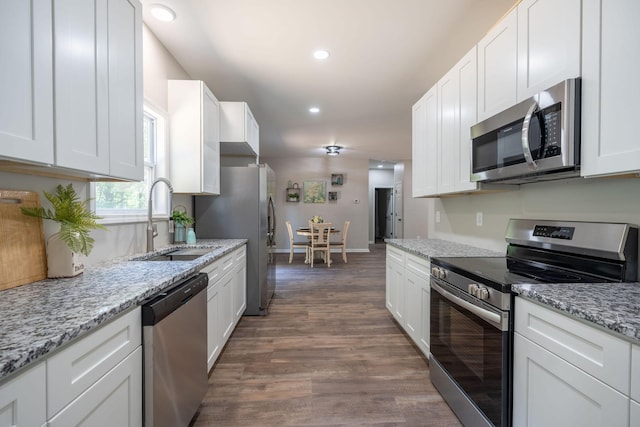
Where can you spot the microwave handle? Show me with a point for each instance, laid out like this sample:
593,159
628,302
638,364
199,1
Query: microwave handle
525,137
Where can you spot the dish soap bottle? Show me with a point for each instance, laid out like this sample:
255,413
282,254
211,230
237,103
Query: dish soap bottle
191,236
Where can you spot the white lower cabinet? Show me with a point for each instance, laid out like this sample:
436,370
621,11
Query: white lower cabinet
634,414
114,400
567,372
23,400
407,294
226,299
93,381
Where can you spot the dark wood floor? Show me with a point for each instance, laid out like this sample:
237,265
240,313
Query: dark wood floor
329,353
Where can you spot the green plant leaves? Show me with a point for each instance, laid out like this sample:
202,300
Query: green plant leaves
75,218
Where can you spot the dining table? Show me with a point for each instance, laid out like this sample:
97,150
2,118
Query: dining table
306,231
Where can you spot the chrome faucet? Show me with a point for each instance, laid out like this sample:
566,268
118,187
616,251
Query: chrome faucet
152,229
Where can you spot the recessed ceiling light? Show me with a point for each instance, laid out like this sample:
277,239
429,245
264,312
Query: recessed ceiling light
162,13
321,54
314,110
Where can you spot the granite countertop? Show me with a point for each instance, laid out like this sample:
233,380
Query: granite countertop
39,317
614,306
428,248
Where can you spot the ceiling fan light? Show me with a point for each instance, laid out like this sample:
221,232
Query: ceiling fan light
333,150
162,13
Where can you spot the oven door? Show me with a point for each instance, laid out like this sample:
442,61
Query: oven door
470,344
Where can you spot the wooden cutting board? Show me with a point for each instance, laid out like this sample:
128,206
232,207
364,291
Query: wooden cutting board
23,256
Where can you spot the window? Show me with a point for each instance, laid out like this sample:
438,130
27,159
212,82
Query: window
128,201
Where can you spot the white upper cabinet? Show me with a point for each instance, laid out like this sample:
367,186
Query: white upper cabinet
26,81
89,54
239,131
425,144
497,67
195,138
610,87
98,87
548,44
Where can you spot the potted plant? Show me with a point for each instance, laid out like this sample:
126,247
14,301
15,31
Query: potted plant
293,197
64,248
181,220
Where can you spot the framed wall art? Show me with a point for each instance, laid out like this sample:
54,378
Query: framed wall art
333,196
337,179
313,191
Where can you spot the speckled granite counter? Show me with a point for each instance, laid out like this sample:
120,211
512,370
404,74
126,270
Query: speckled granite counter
39,317
427,248
614,306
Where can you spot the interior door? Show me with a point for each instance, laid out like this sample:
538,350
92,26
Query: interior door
398,228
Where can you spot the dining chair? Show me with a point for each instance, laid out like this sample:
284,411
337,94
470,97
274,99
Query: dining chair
343,241
320,241
293,244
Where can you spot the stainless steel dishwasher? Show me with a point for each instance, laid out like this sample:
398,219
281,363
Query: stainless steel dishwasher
175,353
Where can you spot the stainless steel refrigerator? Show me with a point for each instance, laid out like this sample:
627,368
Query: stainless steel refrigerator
245,209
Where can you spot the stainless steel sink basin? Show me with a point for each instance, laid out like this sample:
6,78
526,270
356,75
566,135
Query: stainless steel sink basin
186,254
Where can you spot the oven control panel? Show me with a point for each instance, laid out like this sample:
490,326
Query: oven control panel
552,232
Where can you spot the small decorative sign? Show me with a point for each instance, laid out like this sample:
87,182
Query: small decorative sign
333,196
337,178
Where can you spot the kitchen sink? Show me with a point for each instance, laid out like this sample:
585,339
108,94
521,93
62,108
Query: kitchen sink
187,254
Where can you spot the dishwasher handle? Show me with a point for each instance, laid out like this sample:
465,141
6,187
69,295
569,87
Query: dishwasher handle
159,306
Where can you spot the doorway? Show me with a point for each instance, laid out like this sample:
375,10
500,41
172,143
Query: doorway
383,214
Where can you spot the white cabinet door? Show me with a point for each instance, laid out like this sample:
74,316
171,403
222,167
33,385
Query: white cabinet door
239,131
98,86
126,149
412,296
425,145
239,283
634,414
214,332
81,84
610,87
195,137
467,76
395,283
226,306
635,373
23,399
425,318
448,131
115,400
497,67
548,44
550,392
26,81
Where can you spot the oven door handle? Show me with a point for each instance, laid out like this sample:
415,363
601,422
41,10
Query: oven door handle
486,315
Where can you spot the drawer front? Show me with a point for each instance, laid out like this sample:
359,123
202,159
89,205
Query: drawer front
240,254
213,270
593,350
395,254
77,366
419,266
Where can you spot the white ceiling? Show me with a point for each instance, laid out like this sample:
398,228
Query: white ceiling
384,55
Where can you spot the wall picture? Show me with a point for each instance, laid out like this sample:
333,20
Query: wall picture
333,196
337,179
313,191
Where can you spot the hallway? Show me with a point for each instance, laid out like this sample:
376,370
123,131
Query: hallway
329,353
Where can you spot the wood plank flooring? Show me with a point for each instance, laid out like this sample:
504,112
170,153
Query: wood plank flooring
329,353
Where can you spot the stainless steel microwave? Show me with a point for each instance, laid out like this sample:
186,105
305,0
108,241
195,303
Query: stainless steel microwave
537,139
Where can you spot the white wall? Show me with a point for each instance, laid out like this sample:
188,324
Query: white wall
597,199
377,179
416,211
355,187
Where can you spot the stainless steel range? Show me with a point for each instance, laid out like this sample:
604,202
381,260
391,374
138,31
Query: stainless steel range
471,305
